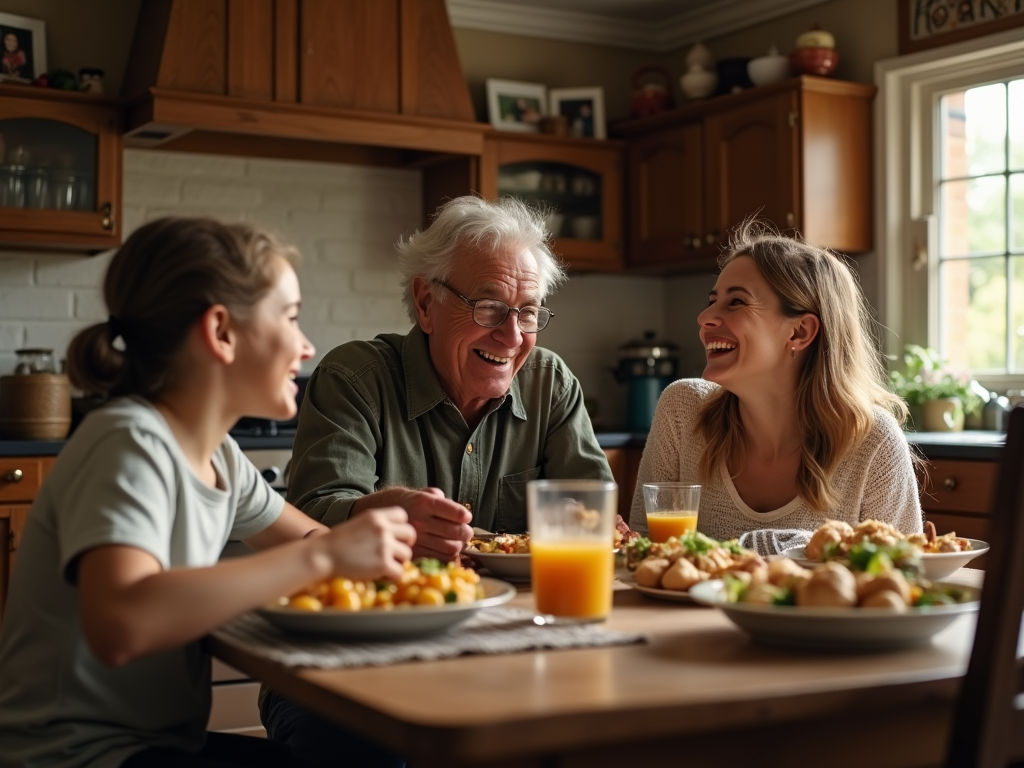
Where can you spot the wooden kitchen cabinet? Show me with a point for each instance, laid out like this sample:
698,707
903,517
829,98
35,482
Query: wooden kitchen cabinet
578,180
20,481
625,465
956,495
60,170
796,153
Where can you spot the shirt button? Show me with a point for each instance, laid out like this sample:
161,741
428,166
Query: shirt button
468,506
469,448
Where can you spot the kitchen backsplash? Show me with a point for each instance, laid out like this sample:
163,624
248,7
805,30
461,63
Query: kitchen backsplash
345,220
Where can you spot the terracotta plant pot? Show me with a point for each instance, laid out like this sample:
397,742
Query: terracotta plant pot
943,415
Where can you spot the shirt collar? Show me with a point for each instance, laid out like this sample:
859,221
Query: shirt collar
423,388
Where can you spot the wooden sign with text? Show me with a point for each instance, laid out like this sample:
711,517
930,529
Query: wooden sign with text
931,23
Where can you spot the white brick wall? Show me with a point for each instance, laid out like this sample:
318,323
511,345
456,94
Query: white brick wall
345,220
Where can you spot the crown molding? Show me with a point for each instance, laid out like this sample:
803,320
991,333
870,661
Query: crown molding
719,18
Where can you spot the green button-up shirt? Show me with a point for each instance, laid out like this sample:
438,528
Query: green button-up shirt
374,416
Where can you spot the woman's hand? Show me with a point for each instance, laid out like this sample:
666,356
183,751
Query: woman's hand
370,545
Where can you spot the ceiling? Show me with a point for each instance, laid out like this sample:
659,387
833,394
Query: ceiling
652,25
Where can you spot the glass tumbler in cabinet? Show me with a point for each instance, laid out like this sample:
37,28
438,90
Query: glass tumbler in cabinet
60,170
575,183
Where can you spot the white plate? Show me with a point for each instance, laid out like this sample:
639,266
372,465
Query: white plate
835,628
501,564
515,568
938,565
672,595
393,624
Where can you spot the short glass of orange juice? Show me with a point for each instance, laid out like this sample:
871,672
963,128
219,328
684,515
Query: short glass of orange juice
571,559
671,509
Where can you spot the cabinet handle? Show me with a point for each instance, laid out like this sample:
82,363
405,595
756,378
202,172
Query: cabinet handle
107,222
15,476
790,220
949,483
695,242
712,238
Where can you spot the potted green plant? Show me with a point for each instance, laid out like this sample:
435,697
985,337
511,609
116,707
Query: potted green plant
938,396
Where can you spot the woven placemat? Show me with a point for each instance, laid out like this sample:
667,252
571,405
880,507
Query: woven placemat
497,630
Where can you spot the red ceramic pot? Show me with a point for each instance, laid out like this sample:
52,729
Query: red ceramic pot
814,61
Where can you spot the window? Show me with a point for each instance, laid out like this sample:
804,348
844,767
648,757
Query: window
950,205
979,206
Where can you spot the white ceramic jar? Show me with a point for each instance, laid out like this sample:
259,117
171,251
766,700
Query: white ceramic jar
698,83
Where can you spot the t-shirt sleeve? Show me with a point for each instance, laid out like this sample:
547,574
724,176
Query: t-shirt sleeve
259,505
121,494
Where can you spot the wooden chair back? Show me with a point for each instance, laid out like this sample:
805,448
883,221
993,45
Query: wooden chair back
987,731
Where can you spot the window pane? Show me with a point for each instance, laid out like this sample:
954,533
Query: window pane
1017,211
973,216
973,317
1017,125
986,129
1017,338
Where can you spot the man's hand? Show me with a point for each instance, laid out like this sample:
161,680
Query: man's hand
442,525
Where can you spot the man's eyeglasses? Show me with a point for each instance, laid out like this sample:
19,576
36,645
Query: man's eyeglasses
490,313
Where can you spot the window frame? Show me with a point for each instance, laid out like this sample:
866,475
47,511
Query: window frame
906,134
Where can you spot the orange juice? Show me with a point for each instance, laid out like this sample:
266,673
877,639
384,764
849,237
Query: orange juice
572,578
664,525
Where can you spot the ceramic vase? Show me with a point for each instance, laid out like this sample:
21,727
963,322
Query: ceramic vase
698,83
700,56
943,415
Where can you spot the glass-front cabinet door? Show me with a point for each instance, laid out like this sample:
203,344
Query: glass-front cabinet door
576,182
60,170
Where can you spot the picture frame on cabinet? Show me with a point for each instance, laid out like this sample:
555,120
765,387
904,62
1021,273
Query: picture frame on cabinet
22,48
584,108
514,106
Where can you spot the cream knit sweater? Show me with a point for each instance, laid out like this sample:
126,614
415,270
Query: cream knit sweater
875,481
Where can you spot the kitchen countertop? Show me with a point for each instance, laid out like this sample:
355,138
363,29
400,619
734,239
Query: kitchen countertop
977,445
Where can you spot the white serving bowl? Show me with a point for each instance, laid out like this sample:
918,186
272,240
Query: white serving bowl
768,69
835,629
938,565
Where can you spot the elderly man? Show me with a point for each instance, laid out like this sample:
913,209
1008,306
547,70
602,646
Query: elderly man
449,421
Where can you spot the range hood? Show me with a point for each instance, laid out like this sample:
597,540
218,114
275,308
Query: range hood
371,81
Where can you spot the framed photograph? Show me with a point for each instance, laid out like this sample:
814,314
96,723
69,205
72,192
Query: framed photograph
516,106
23,48
584,107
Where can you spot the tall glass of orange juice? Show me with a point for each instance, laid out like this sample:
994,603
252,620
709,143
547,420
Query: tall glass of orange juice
671,509
571,558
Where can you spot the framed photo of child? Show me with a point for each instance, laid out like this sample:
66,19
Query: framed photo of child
516,106
584,107
22,48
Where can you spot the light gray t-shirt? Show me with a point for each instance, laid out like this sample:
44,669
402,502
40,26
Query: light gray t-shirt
121,479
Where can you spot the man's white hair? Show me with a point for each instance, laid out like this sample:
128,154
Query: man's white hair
500,225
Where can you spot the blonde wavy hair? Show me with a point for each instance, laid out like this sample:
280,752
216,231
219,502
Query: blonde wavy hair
842,373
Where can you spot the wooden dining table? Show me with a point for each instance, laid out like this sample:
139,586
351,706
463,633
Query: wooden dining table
700,692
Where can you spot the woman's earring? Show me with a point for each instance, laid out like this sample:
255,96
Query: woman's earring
792,351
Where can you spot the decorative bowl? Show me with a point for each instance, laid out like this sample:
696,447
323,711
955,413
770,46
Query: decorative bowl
768,69
814,61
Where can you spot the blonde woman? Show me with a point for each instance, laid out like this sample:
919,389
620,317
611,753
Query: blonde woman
792,422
